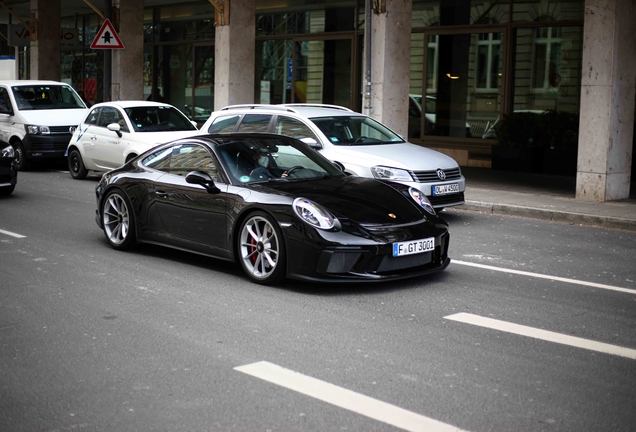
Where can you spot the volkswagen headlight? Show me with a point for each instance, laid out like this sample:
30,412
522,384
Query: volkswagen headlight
37,130
421,199
388,173
8,152
313,214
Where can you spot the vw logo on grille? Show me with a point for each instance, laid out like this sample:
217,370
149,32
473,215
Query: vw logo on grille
72,129
441,174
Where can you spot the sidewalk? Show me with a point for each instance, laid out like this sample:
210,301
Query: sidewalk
542,197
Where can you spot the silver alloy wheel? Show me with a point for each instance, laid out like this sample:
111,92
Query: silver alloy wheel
259,247
116,218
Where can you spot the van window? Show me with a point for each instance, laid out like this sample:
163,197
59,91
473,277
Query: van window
5,101
46,97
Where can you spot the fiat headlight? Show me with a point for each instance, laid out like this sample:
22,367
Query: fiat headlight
388,173
313,214
37,130
8,152
421,199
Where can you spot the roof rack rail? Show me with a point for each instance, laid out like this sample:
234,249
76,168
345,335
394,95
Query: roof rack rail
253,106
309,105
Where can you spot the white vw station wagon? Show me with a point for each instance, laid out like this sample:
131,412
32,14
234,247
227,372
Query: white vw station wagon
357,143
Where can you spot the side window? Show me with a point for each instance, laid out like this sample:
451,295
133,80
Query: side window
93,116
159,160
223,124
255,123
294,128
5,101
182,159
109,115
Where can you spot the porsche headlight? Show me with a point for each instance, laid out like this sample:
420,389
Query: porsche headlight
8,152
313,214
388,173
421,199
37,130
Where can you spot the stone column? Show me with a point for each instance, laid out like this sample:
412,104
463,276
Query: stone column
234,53
128,64
390,63
45,40
607,100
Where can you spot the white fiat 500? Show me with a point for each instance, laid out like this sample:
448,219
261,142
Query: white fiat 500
115,132
357,143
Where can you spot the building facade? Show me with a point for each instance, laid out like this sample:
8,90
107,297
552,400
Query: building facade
554,80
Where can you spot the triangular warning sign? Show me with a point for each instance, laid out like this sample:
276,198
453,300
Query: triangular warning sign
107,37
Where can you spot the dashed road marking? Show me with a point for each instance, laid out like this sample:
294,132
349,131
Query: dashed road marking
343,398
542,276
542,334
9,233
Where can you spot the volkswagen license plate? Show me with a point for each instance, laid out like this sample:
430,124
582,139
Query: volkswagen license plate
446,189
413,247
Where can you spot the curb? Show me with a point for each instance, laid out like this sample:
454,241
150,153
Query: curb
549,215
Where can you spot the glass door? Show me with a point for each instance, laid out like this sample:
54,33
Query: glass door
323,71
199,102
460,92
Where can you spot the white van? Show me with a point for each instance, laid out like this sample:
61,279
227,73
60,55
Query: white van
38,118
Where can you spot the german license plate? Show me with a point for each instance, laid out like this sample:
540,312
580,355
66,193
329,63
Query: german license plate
446,189
413,247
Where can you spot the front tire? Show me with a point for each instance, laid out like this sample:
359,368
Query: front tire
261,249
118,220
76,165
20,156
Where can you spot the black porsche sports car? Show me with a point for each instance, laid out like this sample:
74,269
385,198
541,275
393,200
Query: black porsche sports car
8,169
274,205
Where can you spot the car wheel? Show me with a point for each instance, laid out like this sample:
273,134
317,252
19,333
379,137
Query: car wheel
20,156
7,190
261,249
76,165
118,220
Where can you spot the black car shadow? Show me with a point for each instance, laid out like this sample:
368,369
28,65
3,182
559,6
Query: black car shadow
302,287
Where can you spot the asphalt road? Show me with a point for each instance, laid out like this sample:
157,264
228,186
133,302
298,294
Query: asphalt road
160,340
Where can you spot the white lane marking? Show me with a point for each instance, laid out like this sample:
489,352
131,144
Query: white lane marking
9,233
542,276
543,334
343,398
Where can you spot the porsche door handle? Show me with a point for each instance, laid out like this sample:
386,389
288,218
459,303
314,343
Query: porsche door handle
162,194
93,138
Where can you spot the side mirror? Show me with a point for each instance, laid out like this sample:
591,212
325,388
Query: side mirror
115,128
195,124
202,179
340,166
312,143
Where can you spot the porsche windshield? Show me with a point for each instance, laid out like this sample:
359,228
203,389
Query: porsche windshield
355,130
258,160
46,97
